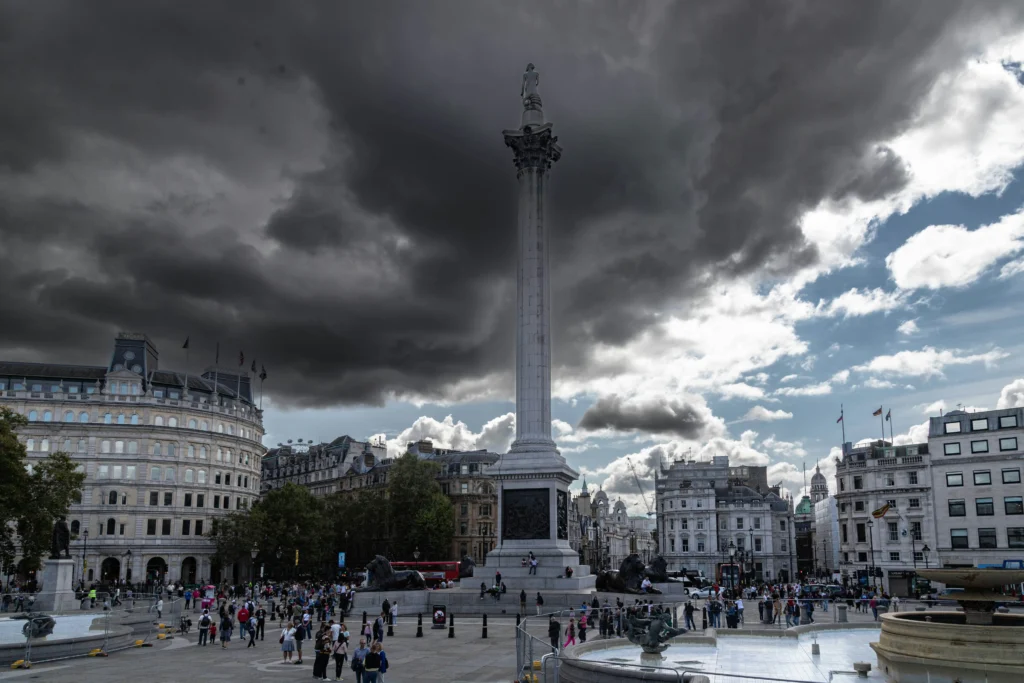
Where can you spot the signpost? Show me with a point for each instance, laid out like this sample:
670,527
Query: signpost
440,616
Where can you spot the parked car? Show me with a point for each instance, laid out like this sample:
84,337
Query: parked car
699,593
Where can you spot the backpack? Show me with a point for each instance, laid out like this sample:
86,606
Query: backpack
204,621
383,662
357,664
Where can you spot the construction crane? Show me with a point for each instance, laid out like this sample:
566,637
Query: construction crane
636,477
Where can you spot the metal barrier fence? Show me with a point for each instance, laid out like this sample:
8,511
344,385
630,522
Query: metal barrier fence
531,648
108,627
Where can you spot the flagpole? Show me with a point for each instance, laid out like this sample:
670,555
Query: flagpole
842,421
891,437
185,392
216,365
881,420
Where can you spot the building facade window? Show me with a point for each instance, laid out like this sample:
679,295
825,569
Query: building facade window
951,428
980,446
987,538
1015,537
984,507
958,539
951,448
982,478
1008,444
1013,505
1007,421
979,425
954,479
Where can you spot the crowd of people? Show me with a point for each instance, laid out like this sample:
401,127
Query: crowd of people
310,614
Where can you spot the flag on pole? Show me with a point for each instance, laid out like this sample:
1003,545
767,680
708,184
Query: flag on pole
253,368
880,512
185,345
263,373
241,359
877,412
888,414
840,418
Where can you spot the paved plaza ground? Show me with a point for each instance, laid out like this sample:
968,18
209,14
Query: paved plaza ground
435,658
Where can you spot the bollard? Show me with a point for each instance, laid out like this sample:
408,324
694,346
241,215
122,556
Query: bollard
419,625
517,622
484,634
364,617
704,618
451,625
391,626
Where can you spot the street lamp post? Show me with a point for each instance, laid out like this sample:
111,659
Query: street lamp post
732,560
128,565
416,554
252,567
85,553
871,540
925,550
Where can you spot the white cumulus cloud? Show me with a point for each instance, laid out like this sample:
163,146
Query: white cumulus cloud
496,435
1012,395
908,327
810,390
856,302
928,362
762,414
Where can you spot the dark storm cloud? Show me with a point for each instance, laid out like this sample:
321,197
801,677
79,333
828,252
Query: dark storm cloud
666,416
358,231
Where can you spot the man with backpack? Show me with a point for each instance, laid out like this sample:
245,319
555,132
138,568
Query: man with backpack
204,627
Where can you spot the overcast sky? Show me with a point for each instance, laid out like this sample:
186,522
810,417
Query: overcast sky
763,211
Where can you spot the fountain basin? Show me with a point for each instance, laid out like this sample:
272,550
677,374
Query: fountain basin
911,649
972,580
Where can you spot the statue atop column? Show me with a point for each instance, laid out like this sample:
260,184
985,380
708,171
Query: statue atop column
532,112
60,540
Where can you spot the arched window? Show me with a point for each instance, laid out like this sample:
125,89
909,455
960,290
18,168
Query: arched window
133,446
112,498
104,447
192,424
205,426
83,445
172,422
169,474
83,417
201,477
157,449
220,428
227,455
220,455
33,415
202,452
119,446
69,416
135,388
246,484
47,415
227,479
67,446
76,526
158,420
44,446
124,387
107,418
189,474
135,418
120,418
110,526
30,444
231,430
172,450
191,451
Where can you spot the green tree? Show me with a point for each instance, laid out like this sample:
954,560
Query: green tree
31,503
419,514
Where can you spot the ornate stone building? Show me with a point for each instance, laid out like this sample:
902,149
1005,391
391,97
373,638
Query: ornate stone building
164,455
603,535
346,466
867,478
709,514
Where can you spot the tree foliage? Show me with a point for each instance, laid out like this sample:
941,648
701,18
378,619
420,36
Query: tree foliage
31,503
420,515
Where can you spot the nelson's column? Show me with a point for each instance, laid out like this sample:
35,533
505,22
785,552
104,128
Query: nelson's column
533,477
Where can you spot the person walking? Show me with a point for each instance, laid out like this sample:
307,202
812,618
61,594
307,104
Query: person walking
225,631
522,602
554,632
204,627
323,652
688,612
371,664
739,609
570,633
261,616
339,651
540,603
159,608
300,635
250,628
287,641
583,626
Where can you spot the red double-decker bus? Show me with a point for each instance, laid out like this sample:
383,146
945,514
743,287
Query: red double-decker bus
433,572
730,575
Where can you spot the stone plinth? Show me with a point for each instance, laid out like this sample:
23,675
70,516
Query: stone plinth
56,594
